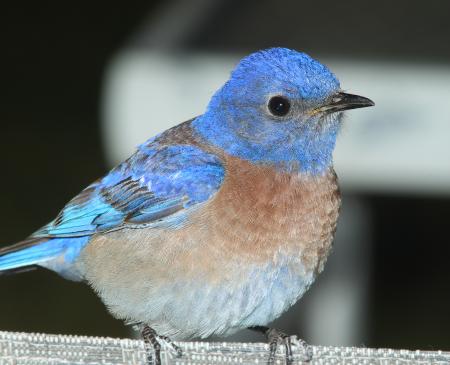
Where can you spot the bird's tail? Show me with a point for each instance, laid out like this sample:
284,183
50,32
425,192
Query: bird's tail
56,254
27,254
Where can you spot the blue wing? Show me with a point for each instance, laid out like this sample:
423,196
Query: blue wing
157,186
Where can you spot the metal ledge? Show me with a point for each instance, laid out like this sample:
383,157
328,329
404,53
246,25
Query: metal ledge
43,349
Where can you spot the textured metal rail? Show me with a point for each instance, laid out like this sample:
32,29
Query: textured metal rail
43,349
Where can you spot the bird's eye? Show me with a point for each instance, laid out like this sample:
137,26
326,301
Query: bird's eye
279,106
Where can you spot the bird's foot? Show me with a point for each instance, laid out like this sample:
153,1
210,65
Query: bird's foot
305,348
277,337
175,348
152,339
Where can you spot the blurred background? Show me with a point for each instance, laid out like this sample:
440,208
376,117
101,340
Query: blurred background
83,84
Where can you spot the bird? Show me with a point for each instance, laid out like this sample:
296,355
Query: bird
218,224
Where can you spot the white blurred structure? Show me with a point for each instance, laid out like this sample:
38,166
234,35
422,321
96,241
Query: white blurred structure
402,144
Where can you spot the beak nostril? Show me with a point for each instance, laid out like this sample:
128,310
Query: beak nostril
336,99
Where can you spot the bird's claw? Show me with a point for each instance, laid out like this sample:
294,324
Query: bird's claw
177,349
306,349
152,339
276,337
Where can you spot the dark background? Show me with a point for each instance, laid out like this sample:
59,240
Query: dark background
53,58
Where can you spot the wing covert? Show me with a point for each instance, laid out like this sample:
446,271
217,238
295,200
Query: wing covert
157,185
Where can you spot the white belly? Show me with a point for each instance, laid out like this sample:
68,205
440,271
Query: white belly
200,307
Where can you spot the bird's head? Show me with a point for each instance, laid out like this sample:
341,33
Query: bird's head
279,107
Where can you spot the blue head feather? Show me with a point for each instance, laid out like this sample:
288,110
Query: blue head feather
238,120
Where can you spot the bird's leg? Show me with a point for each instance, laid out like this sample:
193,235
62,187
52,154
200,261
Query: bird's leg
275,337
151,338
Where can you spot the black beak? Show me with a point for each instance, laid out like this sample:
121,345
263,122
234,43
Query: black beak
342,101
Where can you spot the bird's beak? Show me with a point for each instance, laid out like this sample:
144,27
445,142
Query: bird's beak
343,101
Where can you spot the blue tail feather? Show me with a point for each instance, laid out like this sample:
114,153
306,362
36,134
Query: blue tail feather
57,254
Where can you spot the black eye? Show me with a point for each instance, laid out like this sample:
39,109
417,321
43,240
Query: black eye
279,106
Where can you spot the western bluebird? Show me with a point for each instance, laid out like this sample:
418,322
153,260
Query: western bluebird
220,223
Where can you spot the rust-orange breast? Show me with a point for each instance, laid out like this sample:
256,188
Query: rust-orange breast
260,211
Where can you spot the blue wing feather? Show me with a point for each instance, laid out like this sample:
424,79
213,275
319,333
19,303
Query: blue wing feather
150,187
